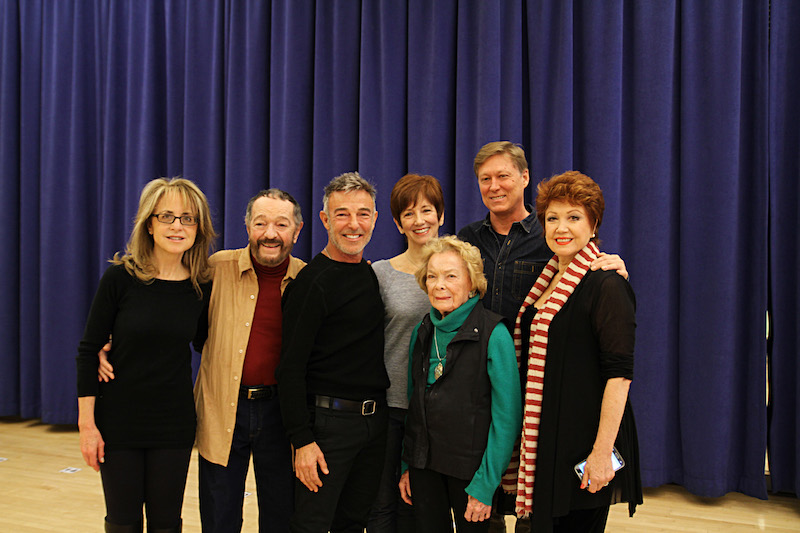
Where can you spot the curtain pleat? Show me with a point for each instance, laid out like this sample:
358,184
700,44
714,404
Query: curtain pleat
69,165
291,111
663,103
382,128
244,116
334,135
784,135
12,80
431,105
722,216
488,94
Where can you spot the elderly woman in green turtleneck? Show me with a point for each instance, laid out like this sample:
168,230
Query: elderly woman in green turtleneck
464,395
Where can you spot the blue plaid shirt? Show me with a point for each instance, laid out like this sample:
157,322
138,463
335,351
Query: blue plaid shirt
511,262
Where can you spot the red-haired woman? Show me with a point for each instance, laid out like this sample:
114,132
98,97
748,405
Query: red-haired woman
576,329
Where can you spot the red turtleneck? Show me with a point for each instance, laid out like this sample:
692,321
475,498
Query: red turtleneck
264,346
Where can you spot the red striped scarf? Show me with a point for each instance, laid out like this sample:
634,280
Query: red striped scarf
524,464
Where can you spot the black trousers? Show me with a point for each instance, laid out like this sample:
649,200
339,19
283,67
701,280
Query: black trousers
390,514
154,478
582,521
354,447
434,495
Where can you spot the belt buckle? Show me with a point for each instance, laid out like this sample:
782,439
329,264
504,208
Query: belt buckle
259,392
368,407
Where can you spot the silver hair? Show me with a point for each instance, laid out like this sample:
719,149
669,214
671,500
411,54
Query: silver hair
347,182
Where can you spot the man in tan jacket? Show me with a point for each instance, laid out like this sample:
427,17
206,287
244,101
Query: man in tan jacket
236,394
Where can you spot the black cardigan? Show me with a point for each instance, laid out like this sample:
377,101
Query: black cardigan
590,341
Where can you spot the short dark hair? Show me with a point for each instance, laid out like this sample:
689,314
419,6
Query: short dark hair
277,194
408,189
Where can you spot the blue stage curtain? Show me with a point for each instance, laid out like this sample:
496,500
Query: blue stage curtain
784,161
13,394
664,103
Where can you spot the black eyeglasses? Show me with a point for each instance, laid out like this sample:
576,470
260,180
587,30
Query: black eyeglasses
169,218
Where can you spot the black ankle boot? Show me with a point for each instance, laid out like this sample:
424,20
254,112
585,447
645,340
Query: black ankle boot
131,528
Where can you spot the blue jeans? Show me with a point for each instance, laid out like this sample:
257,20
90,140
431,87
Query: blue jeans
390,514
259,430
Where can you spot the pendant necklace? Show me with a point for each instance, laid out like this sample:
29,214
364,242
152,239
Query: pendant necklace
439,369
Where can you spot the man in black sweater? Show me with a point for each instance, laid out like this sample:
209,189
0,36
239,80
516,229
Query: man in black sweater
331,379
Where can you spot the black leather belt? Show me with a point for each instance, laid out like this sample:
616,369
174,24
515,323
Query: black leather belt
364,407
259,391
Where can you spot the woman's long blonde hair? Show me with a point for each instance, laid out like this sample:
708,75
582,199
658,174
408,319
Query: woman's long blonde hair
138,257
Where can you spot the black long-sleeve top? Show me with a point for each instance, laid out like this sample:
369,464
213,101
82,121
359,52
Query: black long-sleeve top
150,402
332,340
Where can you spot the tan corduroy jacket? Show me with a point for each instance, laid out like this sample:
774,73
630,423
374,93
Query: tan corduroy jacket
230,315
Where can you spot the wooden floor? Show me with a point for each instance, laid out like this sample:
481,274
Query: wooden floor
40,492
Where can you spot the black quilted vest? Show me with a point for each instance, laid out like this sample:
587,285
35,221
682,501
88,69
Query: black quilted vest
448,423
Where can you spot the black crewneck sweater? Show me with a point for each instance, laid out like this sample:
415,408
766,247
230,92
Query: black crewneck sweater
332,340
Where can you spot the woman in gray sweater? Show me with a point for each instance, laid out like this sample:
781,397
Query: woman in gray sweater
417,205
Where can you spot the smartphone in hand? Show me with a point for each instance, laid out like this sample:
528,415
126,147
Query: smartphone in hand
616,462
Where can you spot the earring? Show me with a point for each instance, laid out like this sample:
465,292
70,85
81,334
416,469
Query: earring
594,235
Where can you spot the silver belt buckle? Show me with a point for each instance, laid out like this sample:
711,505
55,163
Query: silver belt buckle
368,407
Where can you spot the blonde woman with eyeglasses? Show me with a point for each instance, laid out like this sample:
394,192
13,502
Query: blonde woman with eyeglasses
138,430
